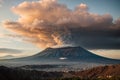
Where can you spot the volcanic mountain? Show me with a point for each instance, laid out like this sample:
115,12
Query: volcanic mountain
69,54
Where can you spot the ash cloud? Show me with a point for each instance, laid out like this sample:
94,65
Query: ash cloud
1,3
48,23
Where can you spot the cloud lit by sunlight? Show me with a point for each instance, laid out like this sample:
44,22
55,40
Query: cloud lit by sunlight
47,23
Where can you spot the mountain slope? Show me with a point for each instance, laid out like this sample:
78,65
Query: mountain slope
70,54
101,71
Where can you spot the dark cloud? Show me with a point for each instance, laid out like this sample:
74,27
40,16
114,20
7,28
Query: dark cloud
48,23
0,3
7,50
96,38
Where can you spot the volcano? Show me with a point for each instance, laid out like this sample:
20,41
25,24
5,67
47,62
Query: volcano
69,54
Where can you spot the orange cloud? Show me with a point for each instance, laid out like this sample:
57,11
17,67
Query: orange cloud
46,23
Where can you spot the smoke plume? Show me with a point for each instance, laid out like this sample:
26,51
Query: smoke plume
48,23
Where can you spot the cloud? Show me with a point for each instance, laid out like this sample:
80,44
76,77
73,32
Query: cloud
2,35
48,23
7,50
1,3
7,57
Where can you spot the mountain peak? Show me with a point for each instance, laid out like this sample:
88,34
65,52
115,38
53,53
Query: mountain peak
48,48
64,47
69,54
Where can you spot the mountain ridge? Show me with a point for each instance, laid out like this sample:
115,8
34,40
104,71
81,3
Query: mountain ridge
71,54
67,54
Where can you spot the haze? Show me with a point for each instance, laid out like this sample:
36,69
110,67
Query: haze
29,26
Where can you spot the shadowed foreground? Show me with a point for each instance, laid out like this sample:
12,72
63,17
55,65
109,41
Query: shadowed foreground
111,72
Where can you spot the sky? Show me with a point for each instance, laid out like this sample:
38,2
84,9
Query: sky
29,26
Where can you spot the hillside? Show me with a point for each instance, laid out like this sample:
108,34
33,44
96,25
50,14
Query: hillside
69,54
111,72
101,71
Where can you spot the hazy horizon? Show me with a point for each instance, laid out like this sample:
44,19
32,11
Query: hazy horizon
29,26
